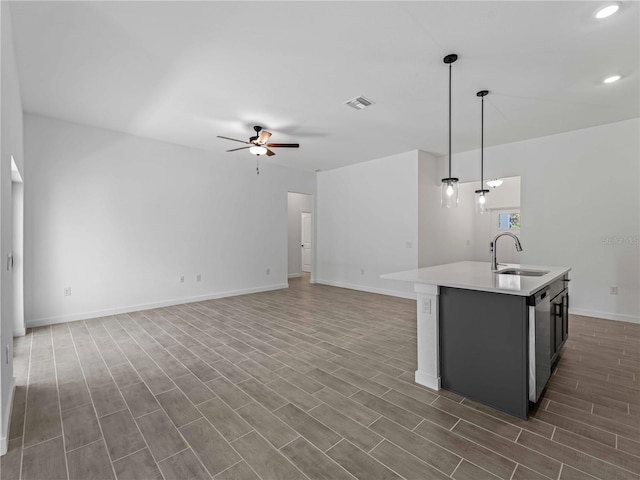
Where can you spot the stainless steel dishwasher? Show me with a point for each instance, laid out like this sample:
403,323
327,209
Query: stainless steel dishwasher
539,342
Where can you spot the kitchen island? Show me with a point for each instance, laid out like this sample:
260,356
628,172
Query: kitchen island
489,336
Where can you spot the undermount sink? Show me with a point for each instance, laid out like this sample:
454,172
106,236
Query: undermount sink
522,273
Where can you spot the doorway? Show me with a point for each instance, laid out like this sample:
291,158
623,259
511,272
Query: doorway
300,235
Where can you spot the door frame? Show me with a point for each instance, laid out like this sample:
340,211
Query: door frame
17,250
314,234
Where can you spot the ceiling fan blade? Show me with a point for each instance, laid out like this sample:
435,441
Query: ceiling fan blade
283,145
236,149
264,137
227,138
270,153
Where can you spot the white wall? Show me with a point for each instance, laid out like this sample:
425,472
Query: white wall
367,220
297,203
580,208
428,195
11,144
120,218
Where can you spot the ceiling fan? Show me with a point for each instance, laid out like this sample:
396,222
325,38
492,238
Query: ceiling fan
258,145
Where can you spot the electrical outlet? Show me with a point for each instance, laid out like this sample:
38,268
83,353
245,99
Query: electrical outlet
426,306
181,278
409,245
268,271
613,289
198,278
67,291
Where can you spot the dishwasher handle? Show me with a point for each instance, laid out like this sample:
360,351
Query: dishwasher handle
538,297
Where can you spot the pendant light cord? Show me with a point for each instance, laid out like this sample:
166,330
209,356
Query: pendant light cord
450,66
482,146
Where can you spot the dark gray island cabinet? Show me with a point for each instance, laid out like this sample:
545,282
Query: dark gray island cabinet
490,337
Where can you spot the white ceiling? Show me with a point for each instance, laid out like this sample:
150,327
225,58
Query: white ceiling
185,72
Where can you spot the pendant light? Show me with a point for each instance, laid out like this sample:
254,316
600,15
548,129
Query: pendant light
449,186
481,195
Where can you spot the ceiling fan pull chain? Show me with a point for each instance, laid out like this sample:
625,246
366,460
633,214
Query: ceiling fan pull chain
257,164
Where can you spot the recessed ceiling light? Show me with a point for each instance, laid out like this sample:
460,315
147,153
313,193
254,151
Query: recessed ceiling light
607,11
611,79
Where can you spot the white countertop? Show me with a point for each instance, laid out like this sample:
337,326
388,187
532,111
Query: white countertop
478,276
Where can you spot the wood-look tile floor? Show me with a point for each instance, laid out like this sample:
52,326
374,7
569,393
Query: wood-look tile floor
309,382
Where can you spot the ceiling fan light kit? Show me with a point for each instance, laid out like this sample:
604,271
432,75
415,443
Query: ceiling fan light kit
258,150
449,186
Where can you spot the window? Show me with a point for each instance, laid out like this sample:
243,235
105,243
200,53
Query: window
509,221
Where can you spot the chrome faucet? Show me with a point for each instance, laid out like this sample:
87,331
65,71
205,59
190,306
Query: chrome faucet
494,245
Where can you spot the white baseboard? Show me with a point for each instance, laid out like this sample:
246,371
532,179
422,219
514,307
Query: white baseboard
606,315
4,438
427,380
295,275
364,288
41,322
19,333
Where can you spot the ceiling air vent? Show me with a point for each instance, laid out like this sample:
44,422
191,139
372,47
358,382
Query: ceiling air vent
359,102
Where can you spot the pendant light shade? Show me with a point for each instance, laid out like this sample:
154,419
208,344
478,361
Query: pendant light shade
449,192
449,187
481,195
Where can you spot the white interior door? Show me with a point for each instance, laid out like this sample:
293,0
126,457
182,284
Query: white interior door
506,220
305,244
